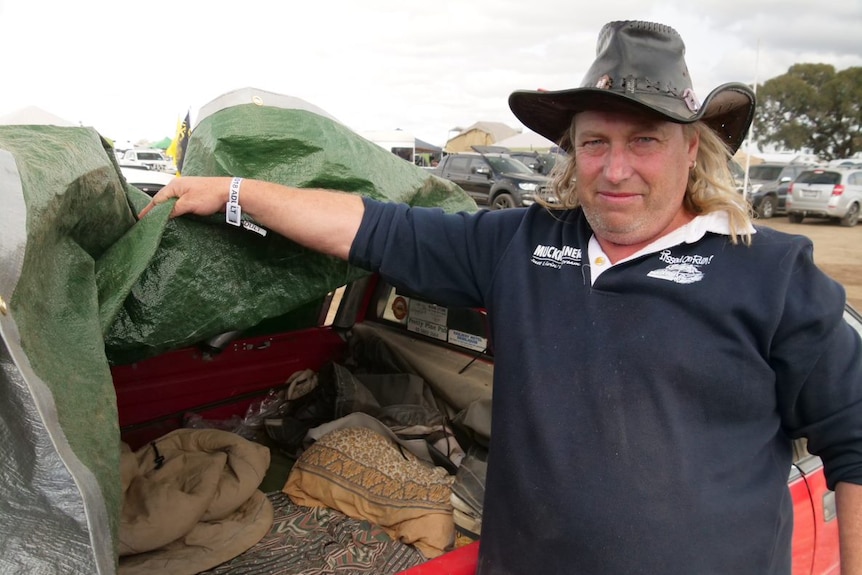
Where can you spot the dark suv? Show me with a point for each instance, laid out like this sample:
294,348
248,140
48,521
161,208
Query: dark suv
493,178
768,184
539,162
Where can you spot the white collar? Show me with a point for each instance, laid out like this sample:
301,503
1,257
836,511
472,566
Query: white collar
693,231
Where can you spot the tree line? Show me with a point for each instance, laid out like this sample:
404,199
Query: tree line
811,107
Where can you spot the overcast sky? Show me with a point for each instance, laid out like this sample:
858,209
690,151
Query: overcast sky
131,68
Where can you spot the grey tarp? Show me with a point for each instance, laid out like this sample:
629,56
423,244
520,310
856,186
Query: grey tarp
83,284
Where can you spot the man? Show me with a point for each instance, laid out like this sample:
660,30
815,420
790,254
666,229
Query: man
654,352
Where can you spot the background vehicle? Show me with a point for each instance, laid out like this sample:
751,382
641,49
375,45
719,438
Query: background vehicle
148,181
738,174
539,162
147,159
834,193
493,178
769,183
400,143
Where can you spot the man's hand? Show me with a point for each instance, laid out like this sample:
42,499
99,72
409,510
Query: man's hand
199,196
323,220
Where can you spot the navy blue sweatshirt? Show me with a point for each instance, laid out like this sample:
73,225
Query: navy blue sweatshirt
643,423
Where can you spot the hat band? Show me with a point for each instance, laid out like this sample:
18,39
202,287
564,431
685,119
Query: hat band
631,85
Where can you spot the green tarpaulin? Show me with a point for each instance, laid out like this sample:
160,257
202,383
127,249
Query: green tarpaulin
89,285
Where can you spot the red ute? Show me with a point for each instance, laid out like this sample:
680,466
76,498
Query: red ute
156,394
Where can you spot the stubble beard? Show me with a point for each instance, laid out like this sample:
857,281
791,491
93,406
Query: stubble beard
633,230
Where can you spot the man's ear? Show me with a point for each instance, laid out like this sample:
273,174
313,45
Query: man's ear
693,145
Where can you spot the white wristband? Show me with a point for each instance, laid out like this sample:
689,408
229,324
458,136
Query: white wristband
232,211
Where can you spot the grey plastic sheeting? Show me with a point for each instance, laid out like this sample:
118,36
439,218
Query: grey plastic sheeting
86,284
53,516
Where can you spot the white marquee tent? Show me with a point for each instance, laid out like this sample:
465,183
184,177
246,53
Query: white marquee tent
527,140
32,115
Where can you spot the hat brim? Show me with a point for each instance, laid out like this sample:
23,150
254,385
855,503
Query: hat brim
728,110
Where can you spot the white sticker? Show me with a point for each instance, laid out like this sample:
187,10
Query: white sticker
427,328
468,340
428,312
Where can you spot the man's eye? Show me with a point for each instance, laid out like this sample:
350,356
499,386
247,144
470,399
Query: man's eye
591,144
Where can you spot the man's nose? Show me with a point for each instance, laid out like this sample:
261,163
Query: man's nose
617,166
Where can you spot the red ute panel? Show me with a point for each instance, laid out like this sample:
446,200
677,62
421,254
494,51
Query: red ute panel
166,386
462,561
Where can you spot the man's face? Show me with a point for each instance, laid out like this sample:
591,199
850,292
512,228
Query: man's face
631,172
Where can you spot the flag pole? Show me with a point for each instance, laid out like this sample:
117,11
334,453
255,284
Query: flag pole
745,190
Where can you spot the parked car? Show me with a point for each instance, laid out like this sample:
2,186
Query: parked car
834,193
148,181
149,159
493,178
539,162
846,163
768,185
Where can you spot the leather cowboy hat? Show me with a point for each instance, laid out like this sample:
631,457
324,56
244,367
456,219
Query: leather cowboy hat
641,63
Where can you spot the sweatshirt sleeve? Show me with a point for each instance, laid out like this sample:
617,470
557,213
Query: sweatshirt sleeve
449,258
817,357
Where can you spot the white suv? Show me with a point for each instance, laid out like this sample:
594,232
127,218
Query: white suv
834,193
148,159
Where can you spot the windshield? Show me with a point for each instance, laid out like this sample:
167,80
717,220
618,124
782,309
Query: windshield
766,173
819,177
149,156
508,165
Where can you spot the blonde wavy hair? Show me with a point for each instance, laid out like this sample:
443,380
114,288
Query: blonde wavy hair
711,187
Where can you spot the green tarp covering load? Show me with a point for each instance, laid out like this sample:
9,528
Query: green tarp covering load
97,286
208,278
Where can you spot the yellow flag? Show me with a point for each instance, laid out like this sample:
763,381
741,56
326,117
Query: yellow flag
171,151
177,149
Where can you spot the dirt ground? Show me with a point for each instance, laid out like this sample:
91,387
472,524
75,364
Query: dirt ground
837,250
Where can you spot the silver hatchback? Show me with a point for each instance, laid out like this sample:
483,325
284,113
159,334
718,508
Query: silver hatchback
834,193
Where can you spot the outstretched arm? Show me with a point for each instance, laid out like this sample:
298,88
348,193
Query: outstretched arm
322,220
849,500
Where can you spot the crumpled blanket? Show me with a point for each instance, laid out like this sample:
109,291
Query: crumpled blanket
366,476
191,501
320,541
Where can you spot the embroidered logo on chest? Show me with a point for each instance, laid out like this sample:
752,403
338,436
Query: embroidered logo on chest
554,257
681,269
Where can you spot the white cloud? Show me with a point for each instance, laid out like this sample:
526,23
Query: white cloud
131,69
